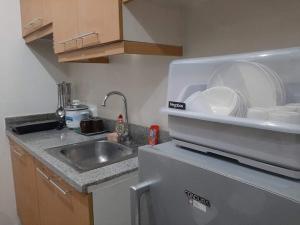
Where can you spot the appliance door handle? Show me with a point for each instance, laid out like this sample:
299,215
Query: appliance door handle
136,193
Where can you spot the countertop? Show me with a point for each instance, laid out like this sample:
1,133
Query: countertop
37,144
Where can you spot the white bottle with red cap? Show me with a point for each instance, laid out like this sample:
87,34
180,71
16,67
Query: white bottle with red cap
120,126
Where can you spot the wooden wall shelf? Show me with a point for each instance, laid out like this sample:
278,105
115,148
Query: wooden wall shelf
122,47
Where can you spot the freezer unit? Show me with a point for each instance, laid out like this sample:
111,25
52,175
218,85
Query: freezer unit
182,187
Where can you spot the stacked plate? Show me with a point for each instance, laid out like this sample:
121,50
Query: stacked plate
221,101
235,87
284,114
260,85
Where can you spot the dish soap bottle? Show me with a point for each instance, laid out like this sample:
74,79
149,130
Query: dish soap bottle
120,126
153,135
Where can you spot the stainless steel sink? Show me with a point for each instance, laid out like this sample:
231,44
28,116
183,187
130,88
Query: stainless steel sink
91,155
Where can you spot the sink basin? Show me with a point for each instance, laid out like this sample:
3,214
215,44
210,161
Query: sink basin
91,155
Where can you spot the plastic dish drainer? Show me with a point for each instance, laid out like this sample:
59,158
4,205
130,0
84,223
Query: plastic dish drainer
274,147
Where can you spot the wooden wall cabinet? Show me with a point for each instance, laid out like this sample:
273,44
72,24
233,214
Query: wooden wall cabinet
91,30
36,18
92,22
86,29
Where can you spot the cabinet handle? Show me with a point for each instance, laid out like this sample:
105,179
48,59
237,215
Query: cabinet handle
86,34
19,154
78,37
70,48
59,188
37,22
42,173
81,36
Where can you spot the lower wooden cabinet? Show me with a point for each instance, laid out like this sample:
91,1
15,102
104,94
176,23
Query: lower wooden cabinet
59,203
43,198
25,186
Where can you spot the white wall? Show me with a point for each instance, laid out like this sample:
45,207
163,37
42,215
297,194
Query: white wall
26,87
212,27
142,79
232,26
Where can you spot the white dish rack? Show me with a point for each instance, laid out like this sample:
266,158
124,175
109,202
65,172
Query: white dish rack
267,145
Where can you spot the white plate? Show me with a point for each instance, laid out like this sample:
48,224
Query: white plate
281,93
257,85
242,111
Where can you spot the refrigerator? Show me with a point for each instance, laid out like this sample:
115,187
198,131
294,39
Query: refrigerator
179,186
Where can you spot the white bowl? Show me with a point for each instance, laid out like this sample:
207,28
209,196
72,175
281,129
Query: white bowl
196,103
222,100
242,106
218,100
285,117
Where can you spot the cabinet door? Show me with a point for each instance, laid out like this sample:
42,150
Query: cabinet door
47,11
65,26
100,21
25,186
59,203
32,15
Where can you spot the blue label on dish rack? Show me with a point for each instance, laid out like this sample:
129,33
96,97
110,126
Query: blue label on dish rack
177,105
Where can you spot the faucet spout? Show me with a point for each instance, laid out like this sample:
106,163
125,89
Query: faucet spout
104,101
125,105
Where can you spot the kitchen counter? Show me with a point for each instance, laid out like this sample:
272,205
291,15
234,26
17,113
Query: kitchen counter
37,144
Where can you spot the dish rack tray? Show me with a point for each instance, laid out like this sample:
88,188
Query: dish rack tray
274,147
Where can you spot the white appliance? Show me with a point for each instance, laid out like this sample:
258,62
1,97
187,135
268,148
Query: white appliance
200,178
179,187
272,144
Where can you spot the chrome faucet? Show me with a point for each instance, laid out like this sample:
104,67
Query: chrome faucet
127,133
